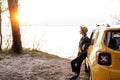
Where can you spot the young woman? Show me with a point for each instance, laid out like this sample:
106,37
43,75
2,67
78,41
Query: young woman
82,53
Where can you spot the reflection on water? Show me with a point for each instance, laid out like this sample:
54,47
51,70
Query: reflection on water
60,40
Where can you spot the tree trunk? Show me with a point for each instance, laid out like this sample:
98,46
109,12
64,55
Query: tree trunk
13,10
0,28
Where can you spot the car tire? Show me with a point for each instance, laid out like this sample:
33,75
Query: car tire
86,68
90,76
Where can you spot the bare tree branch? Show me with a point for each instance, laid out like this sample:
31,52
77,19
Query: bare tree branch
117,18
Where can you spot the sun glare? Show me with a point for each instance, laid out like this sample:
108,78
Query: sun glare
24,11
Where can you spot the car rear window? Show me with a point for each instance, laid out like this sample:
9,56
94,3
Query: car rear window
112,40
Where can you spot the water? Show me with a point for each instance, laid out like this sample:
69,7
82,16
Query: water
59,40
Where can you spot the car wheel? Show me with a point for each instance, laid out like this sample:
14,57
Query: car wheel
86,68
90,76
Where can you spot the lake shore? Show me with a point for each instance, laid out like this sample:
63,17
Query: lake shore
27,67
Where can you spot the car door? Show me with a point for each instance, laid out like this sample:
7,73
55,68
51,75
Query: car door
91,56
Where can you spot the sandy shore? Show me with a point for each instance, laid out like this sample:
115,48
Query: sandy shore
26,67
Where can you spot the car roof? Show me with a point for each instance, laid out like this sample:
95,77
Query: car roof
103,28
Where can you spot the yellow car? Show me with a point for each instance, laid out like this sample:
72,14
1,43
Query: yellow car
103,56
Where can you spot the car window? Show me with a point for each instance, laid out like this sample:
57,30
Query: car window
94,37
112,40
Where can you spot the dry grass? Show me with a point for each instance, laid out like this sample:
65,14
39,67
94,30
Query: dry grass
35,53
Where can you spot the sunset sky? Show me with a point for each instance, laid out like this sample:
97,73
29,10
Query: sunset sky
67,12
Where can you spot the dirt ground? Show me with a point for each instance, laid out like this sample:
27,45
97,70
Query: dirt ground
25,67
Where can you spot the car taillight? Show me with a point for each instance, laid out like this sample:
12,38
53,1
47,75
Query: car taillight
104,58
